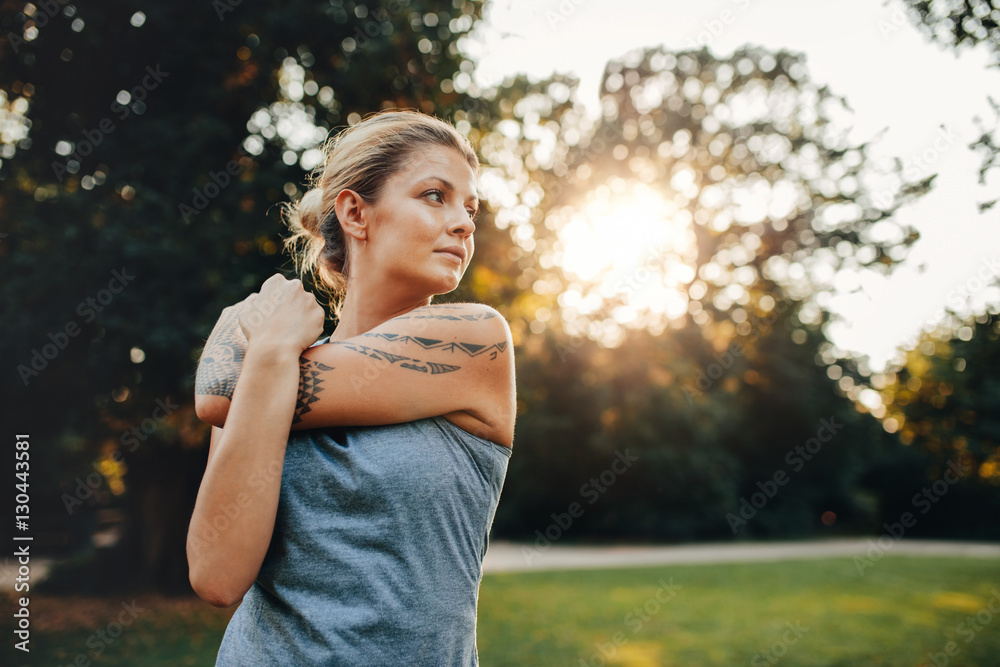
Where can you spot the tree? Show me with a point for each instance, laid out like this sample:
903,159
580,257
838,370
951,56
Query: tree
144,153
762,446
743,162
944,403
961,25
714,141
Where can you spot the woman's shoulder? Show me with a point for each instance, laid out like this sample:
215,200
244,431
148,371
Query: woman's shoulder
437,316
479,331
455,312
453,327
433,360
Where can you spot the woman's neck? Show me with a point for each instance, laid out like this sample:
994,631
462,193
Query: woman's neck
364,309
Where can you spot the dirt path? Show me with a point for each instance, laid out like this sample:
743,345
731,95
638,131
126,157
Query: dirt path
514,557
524,557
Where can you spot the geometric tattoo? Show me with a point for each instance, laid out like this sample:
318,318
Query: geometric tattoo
410,363
309,386
222,359
471,349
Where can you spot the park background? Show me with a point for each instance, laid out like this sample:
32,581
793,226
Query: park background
674,267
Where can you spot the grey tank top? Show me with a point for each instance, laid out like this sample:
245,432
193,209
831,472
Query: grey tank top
377,551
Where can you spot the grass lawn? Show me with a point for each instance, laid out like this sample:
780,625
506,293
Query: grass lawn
728,614
818,612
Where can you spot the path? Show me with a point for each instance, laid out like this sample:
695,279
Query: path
514,557
517,557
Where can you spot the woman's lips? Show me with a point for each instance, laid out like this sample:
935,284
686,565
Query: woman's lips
451,255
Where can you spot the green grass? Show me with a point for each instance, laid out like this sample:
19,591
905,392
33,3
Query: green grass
727,614
721,614
167,632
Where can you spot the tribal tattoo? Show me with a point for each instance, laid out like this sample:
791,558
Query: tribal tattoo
222,359
309,386
405,362
471,349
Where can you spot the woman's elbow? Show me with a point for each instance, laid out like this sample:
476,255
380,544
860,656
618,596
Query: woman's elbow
214,589
214,597
214,583
218,598
212,409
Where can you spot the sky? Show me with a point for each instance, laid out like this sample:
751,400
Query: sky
921,97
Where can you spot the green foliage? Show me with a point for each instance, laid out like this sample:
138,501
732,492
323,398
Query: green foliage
697,131
182,195
702,445
945,402
153,194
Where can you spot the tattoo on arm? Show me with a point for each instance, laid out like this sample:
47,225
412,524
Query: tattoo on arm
471,349
309,386
411,363
311,375
404,361
222,359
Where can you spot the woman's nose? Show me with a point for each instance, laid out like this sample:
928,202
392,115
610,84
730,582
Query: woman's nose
463,224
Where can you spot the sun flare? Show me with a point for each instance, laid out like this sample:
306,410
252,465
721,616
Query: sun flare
638,245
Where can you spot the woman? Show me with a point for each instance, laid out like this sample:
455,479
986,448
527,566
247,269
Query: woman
351,484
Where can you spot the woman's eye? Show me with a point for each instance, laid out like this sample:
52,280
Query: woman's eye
436,193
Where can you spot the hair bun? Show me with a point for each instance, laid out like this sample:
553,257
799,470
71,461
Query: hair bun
310,211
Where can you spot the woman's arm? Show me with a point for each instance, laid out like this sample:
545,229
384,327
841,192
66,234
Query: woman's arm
430,361
219,367
234,513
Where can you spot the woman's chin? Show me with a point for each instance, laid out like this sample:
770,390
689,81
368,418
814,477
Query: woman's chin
450,287
438,285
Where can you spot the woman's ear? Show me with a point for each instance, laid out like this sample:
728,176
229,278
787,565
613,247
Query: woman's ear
350,208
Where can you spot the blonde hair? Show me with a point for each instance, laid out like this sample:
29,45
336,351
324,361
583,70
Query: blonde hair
361,158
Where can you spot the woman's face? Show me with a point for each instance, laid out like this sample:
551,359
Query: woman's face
421,236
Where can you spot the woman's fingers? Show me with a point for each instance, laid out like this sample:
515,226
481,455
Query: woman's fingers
283,310
244,313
